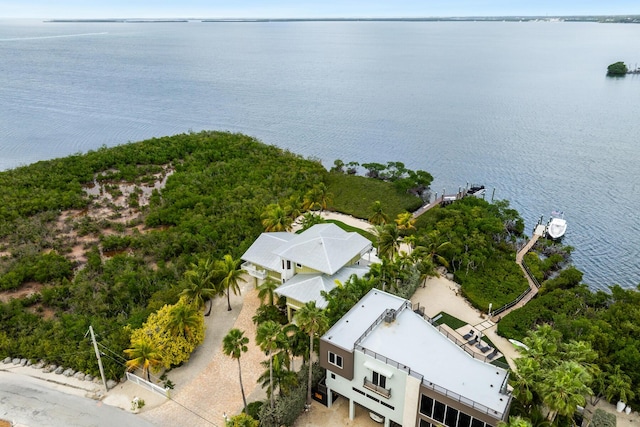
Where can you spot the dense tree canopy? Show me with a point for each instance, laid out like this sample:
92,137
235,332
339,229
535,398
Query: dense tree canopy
210,206
617,69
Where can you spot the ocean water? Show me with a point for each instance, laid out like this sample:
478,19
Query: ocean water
523,108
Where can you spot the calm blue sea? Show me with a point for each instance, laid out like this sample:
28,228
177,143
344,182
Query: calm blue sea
524,108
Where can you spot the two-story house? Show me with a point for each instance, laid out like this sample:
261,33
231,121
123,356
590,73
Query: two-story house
307,263
393,362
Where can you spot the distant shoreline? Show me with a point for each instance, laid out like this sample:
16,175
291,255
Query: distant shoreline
613,19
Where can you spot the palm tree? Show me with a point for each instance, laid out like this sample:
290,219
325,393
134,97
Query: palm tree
144,354
296,343
183,319
294,207
228,269
318,197
276,218
283,379
619,385
388,240
199,281
431,246
313,321
266,290
269,337
564,389
233,345
515,422
405,221
378,217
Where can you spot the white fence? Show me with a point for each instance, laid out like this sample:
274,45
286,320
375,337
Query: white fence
148,385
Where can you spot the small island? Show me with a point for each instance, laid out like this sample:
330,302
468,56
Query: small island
620,69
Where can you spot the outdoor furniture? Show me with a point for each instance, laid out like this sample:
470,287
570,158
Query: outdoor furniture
469,335
493,354
485,348
474,340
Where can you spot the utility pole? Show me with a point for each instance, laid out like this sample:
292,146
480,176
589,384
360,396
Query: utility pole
95,347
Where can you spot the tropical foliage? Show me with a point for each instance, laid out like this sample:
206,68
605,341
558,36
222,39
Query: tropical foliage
553,374
217,186
159,329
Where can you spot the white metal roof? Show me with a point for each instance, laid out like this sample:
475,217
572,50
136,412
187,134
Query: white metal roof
324,247
262,252
308,287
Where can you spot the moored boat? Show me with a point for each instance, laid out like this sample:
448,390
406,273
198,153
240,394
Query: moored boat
557,225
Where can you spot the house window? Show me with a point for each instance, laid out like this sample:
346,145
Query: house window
424,423
438,411
298,265
451,418
464,420
379,380
426,406
335,359
477,423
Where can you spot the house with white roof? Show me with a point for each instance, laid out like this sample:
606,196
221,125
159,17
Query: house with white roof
307,263
392,361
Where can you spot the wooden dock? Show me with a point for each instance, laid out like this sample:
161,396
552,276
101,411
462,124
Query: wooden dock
533,286
439,201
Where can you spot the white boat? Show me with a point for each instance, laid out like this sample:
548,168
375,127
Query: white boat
557,225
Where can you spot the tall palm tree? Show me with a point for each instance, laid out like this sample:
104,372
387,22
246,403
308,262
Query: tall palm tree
378,216
143,354
183,319
228,269
388,240
297,345
266,290
276,218
199,284
313,321
269,337
233,345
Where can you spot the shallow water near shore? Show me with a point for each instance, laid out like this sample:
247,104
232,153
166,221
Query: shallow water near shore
524,108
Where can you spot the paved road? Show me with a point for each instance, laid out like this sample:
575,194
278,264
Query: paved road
31,402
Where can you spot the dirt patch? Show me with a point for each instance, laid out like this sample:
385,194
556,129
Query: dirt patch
25,291
46,313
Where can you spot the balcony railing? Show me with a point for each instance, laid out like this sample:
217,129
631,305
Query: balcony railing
386,392
254,271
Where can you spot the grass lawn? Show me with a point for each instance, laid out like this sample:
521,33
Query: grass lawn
455,323
349,228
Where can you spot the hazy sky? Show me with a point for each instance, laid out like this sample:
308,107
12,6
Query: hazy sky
308,9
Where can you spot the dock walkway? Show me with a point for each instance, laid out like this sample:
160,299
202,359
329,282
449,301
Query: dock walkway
533,287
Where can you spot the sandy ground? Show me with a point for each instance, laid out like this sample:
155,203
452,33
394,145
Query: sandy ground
207,387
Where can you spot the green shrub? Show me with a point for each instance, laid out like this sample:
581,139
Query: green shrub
253,409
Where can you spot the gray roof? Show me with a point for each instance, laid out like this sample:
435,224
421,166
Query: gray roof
308,287
413,342
263,251
324,247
